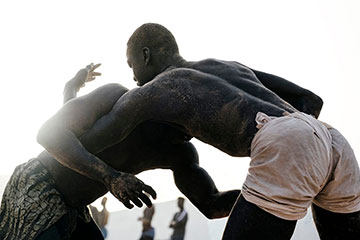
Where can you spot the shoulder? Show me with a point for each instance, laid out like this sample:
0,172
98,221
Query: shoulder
218,67
95,103
106,94
108,90
211,63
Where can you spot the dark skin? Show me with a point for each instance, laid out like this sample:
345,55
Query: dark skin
151,145
78,153
218,109
146,63
197,104
75,127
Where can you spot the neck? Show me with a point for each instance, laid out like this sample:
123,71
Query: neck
176,62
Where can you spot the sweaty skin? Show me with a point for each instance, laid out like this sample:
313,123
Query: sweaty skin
151,145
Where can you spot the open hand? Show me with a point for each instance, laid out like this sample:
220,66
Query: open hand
86,74
126,187
91,75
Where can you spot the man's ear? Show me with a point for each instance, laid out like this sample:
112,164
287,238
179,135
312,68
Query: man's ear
146,54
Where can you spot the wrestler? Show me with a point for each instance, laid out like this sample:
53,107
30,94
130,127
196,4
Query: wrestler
153,49
47,200
296,160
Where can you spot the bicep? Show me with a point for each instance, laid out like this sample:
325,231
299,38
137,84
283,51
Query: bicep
117,124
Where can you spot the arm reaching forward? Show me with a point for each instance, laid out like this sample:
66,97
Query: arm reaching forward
59,136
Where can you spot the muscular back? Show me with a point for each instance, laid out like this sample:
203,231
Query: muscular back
242,77
238,76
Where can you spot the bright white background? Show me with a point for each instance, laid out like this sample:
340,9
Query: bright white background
43,43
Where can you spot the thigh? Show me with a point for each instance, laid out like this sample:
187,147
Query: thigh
248,221
336,226
89,231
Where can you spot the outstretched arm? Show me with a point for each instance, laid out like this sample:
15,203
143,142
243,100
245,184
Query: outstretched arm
302,99
197,185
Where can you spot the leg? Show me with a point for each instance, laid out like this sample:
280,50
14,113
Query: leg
336,226
88,231
247,221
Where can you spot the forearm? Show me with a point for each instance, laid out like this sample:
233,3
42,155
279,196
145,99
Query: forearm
68,151
204,195
301,98
70,91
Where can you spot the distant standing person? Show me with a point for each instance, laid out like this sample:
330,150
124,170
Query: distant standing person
101,217
179,221
148,232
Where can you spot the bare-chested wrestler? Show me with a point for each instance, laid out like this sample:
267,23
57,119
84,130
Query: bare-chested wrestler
296,160
46,200
147,60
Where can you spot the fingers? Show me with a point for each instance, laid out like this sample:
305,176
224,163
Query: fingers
127,187
92,76
137,202
89,67
92,67
150,190
127,204
96,74
145,199
96,66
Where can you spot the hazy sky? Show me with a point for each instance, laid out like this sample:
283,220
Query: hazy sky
314,44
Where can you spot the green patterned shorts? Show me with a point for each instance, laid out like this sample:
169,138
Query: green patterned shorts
31,203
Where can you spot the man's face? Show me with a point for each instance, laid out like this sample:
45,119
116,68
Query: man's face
143,72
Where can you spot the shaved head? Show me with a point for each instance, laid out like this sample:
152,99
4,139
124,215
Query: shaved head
156,37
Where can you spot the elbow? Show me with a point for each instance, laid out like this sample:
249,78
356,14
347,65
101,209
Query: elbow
309,104
41,136
209,215
214,214
45,136
315,105
319,105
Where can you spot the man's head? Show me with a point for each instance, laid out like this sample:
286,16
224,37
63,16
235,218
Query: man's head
103,201
150,50
180,202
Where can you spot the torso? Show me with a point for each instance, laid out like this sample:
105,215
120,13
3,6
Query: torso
212,109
